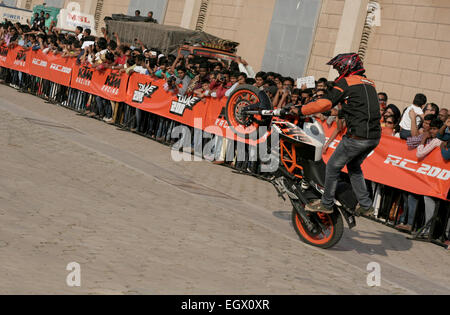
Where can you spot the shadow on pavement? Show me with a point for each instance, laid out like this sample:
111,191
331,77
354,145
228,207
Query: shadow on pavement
372,243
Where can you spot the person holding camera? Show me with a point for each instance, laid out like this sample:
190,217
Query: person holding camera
221,85
178,82
283,95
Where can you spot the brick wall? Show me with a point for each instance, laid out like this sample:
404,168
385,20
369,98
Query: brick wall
244,21
410,52
325,38
109,8
174,12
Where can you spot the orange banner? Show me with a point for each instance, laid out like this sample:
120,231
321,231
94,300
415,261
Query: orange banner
3,56
51,67
148,94
18,59
108,84
392,164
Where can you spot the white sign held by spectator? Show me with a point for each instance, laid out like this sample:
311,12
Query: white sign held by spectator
72,17
309,81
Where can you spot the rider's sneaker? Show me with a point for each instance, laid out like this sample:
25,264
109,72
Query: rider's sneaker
317,206
363,211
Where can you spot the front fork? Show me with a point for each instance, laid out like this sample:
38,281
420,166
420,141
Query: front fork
285,185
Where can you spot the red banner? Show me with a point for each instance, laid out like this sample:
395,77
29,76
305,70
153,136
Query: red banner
392,164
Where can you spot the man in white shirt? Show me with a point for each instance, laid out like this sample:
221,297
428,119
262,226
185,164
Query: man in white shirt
405,124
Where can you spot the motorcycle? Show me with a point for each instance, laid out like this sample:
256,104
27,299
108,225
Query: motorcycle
301,172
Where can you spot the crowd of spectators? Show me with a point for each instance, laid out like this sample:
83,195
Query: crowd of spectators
423,125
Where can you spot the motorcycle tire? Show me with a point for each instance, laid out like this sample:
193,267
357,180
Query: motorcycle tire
324,239
242,96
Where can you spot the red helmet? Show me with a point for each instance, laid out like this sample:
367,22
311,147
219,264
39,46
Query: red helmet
347,64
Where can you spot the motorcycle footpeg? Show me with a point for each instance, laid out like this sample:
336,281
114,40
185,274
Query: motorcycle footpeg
350,218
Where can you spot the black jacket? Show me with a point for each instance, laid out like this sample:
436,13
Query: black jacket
360,106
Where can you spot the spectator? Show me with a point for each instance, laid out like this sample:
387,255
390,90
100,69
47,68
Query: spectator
322,84
260,77
417,134
150,17
295,98
391,111
223,84
241,77
182,79
268,83
283,96
306,96
382,98
79,32
48,21
102,46
430,140
270,76
87,32
405,124
431,109
137,13
444,136
204,91
271,91
389,126
41,21
196,83
35,22
245,68
443,114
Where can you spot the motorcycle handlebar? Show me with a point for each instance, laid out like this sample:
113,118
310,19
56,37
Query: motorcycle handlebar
270,113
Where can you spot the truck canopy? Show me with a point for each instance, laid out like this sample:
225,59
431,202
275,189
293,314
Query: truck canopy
166,38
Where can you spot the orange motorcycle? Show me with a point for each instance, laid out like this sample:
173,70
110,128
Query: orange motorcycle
301,171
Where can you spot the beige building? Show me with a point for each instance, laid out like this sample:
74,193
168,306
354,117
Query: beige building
407,53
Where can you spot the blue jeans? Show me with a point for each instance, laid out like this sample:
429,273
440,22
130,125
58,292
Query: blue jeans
410,210
104,106
350,152
138,119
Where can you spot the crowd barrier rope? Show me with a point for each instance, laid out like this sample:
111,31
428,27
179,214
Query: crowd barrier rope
390,164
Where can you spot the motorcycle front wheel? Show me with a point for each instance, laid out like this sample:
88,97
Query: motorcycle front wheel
329,232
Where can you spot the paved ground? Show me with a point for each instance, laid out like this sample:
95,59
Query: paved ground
73,189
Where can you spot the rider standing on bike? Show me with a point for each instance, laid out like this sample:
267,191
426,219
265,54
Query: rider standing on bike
361,111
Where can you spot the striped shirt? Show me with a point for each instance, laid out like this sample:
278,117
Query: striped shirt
424,150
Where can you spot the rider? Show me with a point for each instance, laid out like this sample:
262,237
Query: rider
361,111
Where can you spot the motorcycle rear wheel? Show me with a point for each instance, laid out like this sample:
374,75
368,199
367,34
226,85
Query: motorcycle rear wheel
324,238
